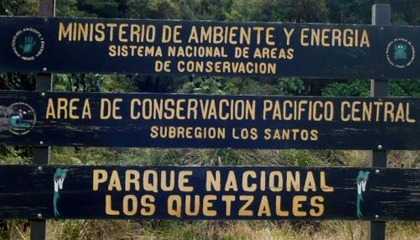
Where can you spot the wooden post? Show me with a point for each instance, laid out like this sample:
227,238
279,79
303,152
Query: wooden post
42,155
381,15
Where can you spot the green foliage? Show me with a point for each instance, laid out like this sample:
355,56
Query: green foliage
154,9
250,10
278,10
70,8
350,88
79,82
405,88
18,7
356,11
300,158
239,86
13,155
303,10
210,85
405,12
362,88
99,156
100,8
17,81
289,86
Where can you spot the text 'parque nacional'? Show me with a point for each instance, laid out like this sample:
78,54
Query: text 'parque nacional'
191,193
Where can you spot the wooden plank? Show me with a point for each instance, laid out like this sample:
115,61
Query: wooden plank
208,121
169,192
47,8
42,155
246,49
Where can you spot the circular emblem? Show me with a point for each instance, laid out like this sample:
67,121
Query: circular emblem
400,53
28,44
22,118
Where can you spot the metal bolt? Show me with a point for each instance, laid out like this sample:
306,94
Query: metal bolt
44,69
39,215
39,168
41,142
380,147
376,216
43,94
377,171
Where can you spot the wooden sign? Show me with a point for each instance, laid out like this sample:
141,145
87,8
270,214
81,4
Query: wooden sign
209,193
205,121
207,48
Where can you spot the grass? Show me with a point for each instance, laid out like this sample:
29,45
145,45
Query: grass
212,230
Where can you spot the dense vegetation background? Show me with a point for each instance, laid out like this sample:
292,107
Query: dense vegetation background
333,11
